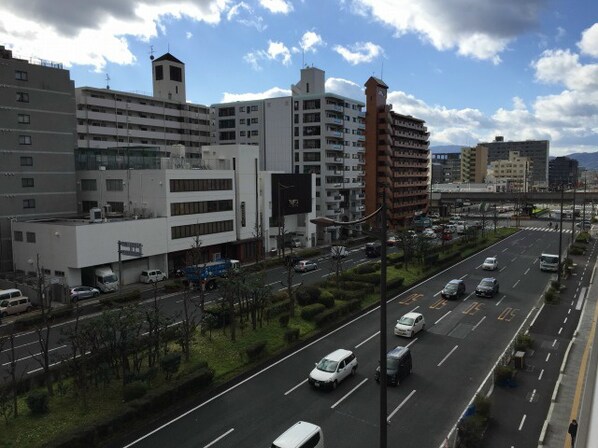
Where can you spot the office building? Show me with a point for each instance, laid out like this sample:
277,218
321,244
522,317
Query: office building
37,143
474,164
446,167
396,158
562,171
516,172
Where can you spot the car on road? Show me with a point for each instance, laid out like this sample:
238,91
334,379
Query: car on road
447,236
584,225
338,251
488,287
373,249
392,241
410,324
398,365
151,276
83,292
490,264
300,435
429,233
453,289
333,368
306,266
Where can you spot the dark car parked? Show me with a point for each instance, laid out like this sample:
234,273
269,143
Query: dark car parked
453,289
488,287
398,365
372,249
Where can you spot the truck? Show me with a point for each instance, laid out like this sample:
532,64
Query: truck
549,262
421,223
104,279
206,275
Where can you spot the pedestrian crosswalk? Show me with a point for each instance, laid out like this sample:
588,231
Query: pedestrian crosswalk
545,229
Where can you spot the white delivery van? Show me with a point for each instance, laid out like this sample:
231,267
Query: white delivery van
105,280
338,252
151,276
12,301
301,435
549,262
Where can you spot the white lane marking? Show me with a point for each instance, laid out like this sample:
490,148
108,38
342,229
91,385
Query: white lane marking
470,294
541,374
569,311
463,276
478,267
33,355
297,386
218,439
273,283
366,340
580,300
513,260
411,343
20,346
516,283
447,313
446,357
501,299
547,357
565,321
535,261
414,309
554,342
39,369
476,325
505,249
437,293
326,275
400,406
348,393
531,399
525,273
560,330
502,269
293,286
522,422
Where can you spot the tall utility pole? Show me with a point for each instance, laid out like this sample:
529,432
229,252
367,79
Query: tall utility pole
585,190
561,234
573,218
383,377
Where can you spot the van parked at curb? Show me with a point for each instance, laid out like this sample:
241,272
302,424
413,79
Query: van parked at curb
301,435
12,301
152,276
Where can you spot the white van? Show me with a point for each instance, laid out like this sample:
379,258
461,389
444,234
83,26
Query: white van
338,252
152,276
301,435
12,301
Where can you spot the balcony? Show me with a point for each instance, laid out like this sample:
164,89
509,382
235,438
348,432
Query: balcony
333,172
333,133
335,160
335,198
334,147
332,106
334,120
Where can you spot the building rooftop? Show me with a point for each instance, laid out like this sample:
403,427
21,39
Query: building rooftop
169,57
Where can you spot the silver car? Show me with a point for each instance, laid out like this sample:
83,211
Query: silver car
83,292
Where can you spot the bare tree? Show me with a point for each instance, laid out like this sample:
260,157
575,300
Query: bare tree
194,260
337,253
288,284
11,368
189,322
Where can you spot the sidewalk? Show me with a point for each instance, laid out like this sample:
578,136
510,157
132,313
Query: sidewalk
567,396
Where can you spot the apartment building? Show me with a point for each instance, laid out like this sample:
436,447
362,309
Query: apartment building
474,164
562,171
516,171
446,167
397,158
537,151
108,118
37,143
222,199
312,131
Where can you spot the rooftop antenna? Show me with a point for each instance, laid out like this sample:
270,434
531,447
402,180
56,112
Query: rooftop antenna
151,52
107,81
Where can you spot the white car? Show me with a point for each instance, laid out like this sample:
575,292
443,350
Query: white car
490,264
410,324
429,233
333,368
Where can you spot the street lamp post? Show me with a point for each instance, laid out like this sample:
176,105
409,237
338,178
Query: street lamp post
382,236
280,218
561,233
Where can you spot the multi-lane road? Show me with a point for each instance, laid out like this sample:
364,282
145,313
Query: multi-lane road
451,358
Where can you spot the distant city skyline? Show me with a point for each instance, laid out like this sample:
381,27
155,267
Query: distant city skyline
520,69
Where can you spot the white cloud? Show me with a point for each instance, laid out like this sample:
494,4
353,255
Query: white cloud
563,67
589,41
310,41
560,33
359,53
188,35
244,14
95,32
481,29
277,6
274,92
345,88
275,51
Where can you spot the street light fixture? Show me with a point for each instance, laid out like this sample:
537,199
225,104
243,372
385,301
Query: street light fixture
382,236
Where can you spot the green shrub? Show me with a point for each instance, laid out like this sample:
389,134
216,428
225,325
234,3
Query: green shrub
502,374
395,258
523,342
482,406
471,431
367,268
255,350
330,316
134,390
576,251
551,295
431,260
351,285
309,252
307,295
173,286
170,363
35,319
326,299
398,266
346,294
555,285
219,317
291,335
373,278
395,283
278,308
279,296
284,320
120,297
37,402
308,312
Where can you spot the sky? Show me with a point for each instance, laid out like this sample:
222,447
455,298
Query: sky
472,69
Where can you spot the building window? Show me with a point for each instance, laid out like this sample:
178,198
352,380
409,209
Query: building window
24,139
30,237
243,217
24,119
254,132
227,135
204,228
28,203
159,71
114,184
21,75
22,97
18,235
86,206
184,185
254,121
117,207
242,133
59,273
27,182
89,185
176,74
254,108
193,208
26,161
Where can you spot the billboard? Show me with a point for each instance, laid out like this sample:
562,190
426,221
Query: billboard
294,191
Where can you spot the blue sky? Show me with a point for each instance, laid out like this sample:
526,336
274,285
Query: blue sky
524,69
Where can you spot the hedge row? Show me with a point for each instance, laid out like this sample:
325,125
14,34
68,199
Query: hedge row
329,316
119,298
395,283
36,318
367,268
277,308
310,311
307,295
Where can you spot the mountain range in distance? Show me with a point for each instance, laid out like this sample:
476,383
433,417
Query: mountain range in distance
588,160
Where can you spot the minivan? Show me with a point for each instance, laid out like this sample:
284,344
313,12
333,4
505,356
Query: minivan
301,435
152,276
398,365
338,252
373,249
13,302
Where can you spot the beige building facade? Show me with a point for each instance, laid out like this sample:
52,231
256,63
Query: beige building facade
474,163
